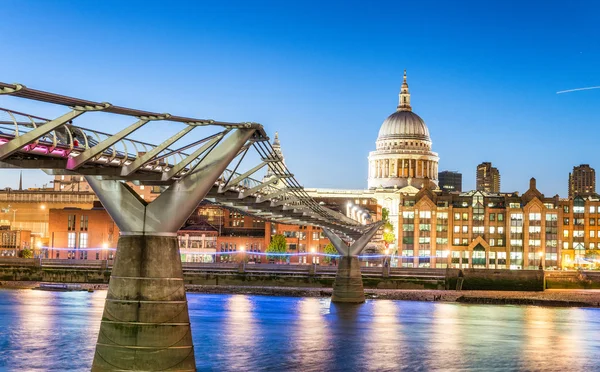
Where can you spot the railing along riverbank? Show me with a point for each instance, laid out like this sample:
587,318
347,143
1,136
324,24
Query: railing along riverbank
98,271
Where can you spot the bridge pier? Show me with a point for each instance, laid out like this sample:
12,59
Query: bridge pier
348,285
145,325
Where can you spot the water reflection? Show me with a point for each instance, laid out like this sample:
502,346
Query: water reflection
58,331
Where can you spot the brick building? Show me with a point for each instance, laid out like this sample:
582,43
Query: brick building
87,234
493,230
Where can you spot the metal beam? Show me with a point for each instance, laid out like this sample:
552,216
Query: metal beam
142,160
185,162
241,177
94,151
251,191
21,141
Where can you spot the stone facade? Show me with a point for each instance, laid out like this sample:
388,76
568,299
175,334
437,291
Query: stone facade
403,155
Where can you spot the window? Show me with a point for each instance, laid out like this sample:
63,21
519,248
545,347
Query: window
492,242
592,233
551,217
83,240
465,229
500,216
566,221
456,241
578,234
592,209
565,209
292,247
592,222
71,222
500,230
501,242
492,229
478,229
425,214
535,229
535,216
83,223
565,233
71,240
492,216
456,228
456,216
409,215
441,241
465,216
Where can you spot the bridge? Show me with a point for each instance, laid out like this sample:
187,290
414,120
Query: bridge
145,324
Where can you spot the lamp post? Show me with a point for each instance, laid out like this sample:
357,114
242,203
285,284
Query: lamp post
105,249
312,255
387,252
541,267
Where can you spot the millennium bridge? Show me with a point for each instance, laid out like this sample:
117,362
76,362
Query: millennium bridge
145,324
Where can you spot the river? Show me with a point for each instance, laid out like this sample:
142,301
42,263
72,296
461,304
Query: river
57,331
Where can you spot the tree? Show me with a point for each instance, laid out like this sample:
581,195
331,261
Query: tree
278,245
329,249
592,254
26,253
388,229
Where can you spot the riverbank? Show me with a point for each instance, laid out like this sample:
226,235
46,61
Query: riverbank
552,297
568,298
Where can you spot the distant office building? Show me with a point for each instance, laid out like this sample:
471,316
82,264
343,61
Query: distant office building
488,178
450,181
582,181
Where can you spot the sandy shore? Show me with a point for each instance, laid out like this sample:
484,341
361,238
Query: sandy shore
551,297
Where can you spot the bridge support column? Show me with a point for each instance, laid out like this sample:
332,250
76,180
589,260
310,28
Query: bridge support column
348,285
145,325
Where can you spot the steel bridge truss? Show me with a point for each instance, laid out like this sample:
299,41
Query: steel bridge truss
59,146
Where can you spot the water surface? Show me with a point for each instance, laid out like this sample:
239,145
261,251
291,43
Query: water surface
57,331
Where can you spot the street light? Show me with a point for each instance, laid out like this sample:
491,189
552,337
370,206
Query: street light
312,254
105,249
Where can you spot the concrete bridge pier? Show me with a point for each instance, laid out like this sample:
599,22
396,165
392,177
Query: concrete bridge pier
145,325
348,285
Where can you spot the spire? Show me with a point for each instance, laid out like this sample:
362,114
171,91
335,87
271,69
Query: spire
21,181
404,96
276,140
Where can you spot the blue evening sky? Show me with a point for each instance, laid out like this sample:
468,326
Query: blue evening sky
483,75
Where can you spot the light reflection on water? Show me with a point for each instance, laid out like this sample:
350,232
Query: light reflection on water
58,330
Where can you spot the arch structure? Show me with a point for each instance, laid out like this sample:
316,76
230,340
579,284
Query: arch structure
145,324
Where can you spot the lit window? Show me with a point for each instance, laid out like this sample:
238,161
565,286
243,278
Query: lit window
83,240
565,233
71,240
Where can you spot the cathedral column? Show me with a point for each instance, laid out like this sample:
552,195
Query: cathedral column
385,168
428,169
409,167
402,168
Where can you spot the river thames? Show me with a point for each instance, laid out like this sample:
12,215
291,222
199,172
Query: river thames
57,331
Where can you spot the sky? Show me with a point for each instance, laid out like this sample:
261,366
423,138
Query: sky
325,75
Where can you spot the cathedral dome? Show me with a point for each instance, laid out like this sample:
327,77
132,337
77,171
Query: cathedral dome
403,125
